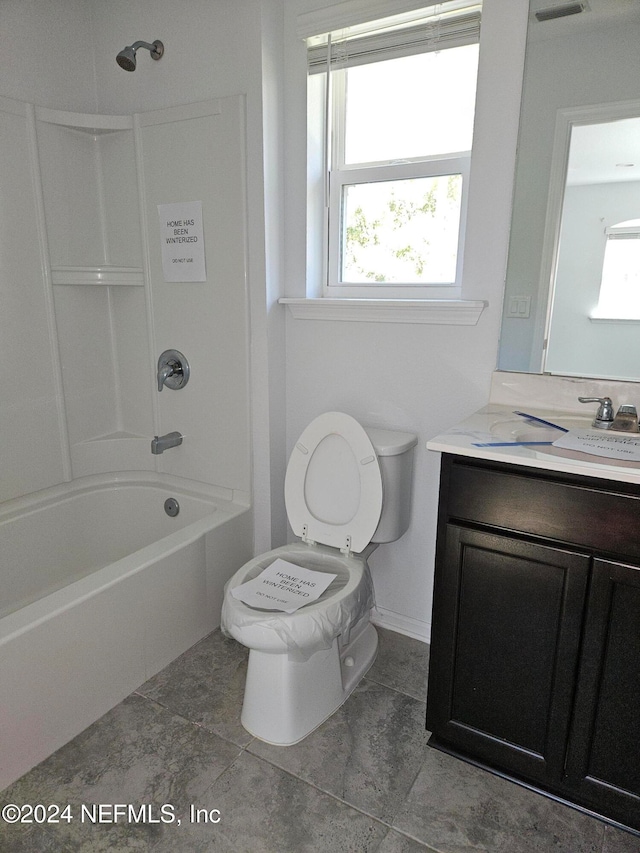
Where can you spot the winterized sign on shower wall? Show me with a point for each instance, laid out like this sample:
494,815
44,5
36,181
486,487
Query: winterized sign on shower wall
181,237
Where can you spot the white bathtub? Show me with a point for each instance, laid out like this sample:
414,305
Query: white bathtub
99,590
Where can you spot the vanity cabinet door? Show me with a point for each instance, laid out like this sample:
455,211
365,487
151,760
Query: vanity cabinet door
603,760
505,643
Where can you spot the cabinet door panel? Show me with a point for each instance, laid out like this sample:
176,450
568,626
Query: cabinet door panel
505,643
604,751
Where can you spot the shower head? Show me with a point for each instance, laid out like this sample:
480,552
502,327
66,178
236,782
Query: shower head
126,59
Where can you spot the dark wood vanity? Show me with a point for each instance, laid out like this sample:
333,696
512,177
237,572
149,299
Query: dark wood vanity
535,650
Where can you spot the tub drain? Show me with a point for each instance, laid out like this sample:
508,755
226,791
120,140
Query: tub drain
171,507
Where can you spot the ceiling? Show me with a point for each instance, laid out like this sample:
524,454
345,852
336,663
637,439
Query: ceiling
605,153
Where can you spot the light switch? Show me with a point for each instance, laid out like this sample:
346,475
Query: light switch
519,307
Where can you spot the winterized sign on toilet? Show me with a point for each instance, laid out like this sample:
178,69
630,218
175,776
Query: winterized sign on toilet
283,586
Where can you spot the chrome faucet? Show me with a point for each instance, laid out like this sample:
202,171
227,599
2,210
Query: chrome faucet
604,415
173,370
160,443
626,419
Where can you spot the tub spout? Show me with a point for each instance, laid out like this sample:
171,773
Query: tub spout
160,443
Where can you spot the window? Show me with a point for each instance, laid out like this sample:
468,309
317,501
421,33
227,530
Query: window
620,283
391,108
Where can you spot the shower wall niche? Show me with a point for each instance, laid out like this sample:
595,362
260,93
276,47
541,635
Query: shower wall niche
94,238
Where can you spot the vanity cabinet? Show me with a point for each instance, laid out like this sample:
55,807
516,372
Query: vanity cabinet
535,651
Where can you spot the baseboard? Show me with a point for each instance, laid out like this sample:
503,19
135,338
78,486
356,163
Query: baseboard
402,624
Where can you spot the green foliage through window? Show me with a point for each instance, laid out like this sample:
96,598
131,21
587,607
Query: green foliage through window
402,231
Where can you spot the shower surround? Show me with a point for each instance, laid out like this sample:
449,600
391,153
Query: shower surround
86,311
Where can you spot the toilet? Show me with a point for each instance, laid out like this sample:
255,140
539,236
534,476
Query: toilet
347,489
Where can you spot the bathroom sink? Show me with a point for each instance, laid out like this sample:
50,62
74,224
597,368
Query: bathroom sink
518,429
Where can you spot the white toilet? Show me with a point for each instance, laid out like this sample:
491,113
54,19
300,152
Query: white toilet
347,489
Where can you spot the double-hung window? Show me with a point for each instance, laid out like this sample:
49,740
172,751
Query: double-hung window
391,107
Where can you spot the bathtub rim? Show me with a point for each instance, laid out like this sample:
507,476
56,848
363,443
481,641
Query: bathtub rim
225,505
36,500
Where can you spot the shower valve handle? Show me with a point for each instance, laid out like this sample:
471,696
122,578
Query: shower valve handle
173,370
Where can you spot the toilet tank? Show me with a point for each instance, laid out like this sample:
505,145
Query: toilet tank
395,457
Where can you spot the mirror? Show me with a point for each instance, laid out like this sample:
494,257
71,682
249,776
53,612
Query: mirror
578,134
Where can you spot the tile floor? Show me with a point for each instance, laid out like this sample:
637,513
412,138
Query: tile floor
364,781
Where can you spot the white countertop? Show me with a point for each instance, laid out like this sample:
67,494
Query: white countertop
495,422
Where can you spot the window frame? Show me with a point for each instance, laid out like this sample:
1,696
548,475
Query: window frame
335,174
349,175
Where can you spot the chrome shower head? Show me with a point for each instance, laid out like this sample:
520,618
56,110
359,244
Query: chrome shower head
126,59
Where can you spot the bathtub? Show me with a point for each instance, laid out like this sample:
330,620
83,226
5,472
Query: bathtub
99,590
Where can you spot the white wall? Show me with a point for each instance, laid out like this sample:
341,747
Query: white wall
418,378
47,53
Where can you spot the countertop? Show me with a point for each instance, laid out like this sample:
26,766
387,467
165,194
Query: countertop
494,422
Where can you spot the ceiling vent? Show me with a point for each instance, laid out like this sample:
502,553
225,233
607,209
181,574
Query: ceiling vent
563,11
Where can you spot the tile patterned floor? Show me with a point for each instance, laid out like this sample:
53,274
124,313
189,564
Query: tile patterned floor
364,781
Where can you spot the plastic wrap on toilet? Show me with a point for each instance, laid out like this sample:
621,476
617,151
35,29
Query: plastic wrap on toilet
315,626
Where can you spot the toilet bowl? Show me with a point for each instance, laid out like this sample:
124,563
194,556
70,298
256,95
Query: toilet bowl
303,665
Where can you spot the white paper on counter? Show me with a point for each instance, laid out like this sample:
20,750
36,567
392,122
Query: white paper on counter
283,586
602,443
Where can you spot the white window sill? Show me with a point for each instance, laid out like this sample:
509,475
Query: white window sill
612,319
450,312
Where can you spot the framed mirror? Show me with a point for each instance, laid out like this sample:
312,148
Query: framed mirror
577,194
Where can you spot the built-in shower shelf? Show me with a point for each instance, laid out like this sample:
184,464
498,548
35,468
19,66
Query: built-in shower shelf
85,122
105,275
115,436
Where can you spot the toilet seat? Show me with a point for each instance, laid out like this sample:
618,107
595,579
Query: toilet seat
313,626
333,484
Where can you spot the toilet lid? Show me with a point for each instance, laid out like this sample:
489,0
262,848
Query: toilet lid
333,485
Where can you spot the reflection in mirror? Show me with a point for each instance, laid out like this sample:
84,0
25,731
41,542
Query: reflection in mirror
580,93
594,321
619,295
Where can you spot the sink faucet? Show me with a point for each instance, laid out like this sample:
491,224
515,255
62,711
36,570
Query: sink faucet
604,415
626,419
160,443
